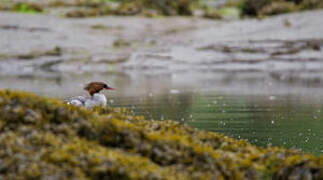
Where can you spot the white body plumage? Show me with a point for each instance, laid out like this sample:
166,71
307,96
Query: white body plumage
96,100
89,102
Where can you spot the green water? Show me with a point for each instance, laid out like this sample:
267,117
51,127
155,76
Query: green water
264,111
286,120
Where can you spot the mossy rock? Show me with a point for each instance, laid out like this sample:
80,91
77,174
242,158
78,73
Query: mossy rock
311,4
131,8
251,7
43,138
170,7
278,8
273,7
22,7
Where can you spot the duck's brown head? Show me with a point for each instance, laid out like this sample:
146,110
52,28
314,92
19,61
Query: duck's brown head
95,87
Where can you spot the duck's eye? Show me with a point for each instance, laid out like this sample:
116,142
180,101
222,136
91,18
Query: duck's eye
105,86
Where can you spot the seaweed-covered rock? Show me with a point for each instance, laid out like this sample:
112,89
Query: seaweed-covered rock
272,7
251,7
46,139
24,7
151,8
170,7
88,8
311,4
278,8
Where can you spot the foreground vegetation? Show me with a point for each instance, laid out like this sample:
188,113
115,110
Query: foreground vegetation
151,8
43,138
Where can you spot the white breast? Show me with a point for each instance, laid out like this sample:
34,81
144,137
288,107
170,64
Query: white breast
96,100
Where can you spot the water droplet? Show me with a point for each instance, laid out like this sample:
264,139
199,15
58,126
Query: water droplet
272,98
191,116
182,119
174,91
272,122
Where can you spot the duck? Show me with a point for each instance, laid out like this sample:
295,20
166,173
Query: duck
96,97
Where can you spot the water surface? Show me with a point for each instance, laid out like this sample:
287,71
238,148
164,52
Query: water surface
284,120
252,106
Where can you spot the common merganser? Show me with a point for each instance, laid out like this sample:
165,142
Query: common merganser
96,99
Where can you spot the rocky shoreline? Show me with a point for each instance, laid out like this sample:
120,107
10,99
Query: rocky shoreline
188,52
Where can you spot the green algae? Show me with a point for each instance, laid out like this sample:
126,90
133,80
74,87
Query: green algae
128,8
53,139
156,8
28,8
104,27
21,7
119,43
56,51
273,7
287,47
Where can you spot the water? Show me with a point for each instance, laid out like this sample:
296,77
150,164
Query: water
252,106
284,120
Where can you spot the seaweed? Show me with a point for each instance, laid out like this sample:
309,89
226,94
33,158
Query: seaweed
155,8
56,51
273,7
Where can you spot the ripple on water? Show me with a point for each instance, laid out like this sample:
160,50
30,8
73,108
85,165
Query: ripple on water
291,120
